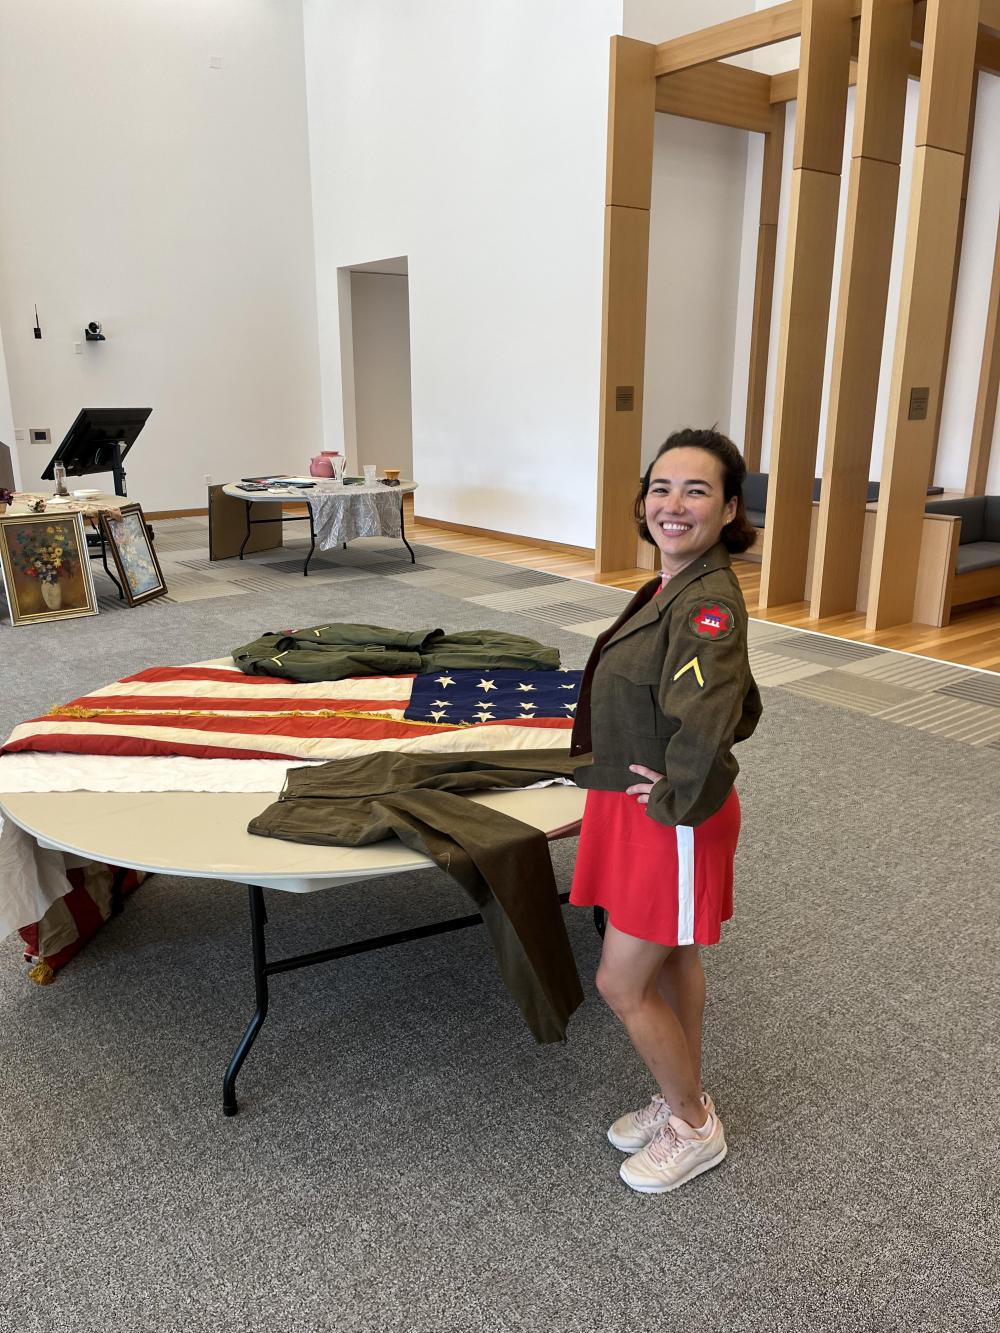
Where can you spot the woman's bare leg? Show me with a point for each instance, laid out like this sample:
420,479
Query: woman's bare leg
627,979
682,984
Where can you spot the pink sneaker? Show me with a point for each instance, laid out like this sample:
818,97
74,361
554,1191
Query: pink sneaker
674,1155
633,1131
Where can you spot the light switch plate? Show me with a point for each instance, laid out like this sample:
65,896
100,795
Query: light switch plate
40,435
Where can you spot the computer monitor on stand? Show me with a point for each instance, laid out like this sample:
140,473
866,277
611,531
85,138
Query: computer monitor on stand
98,441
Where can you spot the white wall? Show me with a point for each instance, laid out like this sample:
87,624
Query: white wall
697,329
472,139
380,313
694,277
170,200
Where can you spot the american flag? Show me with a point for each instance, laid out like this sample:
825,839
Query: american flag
216,712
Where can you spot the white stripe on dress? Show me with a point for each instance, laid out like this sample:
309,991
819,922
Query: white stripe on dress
685,884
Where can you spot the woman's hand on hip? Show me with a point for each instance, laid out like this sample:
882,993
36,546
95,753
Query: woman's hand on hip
642,789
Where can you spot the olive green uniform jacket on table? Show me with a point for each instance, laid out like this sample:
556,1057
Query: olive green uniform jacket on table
669,686
334,652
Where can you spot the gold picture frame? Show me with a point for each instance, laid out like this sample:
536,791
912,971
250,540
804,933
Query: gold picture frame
131,548
46,567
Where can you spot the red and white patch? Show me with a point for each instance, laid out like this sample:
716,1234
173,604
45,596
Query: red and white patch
712,620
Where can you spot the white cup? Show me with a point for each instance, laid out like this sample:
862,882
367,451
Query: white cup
369,470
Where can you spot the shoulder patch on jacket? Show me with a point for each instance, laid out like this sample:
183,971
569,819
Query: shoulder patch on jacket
711,620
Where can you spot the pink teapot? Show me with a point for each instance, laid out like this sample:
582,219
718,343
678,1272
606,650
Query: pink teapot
329,463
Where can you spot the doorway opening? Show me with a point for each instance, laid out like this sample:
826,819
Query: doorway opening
375,355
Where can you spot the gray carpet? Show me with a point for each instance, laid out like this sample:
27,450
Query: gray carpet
407,1159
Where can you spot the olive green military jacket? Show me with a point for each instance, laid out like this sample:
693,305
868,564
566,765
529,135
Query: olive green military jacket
334,652
669,686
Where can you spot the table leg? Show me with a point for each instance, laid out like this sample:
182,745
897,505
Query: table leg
246,515
312,541
402,533
258,920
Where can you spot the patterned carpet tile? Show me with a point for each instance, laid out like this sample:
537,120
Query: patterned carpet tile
453,583
762,631
956,719
773,669
916,673
566,614
590,629
860,694
823,648
532,601
200,591
983,689
526,578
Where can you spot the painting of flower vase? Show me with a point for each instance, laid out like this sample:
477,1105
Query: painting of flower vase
45,567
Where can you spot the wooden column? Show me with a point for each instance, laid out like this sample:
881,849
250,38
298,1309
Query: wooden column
883,65
763,292
805,307
989,385
631,113
938,162
954,282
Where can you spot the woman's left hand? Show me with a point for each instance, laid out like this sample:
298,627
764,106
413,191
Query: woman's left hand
642,789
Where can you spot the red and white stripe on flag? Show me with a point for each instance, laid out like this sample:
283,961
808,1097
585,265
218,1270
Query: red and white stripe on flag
218,713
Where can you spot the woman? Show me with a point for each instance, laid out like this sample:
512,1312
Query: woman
666,694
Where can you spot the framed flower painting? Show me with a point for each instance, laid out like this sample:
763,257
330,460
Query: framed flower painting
45,567
134,557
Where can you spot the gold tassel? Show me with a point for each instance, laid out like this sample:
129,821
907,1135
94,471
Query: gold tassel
41,974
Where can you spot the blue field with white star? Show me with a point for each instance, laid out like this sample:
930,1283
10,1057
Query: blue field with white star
463,698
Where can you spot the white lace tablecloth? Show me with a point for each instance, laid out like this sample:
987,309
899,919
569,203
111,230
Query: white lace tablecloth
355,511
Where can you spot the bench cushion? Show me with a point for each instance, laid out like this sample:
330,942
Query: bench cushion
991,519
755,494
971,510
977,555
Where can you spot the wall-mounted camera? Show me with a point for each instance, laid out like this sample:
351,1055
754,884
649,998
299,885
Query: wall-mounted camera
93,332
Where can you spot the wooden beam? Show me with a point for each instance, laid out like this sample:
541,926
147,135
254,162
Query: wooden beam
721,94
805,308
989,386
950,55
732,38
950,318
632,94
988,52
785,87
883,66
864,284
932,228
763,293
826,58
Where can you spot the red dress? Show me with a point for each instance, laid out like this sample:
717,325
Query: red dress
670,885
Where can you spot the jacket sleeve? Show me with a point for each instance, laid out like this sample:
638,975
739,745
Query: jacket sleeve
701,693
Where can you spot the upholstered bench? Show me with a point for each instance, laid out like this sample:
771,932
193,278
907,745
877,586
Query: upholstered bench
755,495
976,567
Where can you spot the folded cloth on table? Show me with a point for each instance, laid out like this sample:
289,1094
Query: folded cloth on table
502,864
332,652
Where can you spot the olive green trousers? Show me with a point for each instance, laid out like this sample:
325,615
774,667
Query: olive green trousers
503,865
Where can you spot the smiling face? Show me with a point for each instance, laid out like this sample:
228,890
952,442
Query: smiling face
686,508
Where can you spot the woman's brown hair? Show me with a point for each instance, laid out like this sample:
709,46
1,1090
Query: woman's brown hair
738,534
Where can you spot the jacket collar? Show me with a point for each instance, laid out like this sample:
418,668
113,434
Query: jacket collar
717,557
